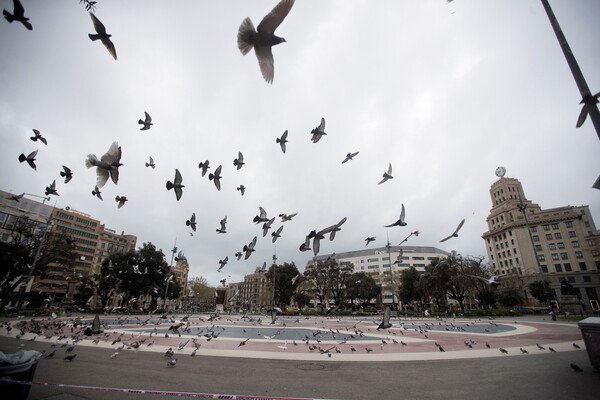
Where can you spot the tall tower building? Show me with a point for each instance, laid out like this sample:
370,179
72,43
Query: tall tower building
554,245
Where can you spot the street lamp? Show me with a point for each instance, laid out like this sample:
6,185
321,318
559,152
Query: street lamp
274,268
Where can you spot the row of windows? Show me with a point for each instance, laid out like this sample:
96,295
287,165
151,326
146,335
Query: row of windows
369,260
85,221
542,257
567,267
76,232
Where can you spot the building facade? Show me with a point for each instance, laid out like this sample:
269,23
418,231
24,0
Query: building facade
251,294
376,262
556,245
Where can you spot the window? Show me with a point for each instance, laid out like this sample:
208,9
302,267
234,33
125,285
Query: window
582,266
560,245
572,234
546,227
575,243
533,228
418,258
557,235
555,256
569,224
548,236
578,254
564,256
544,268
567,267
587,278
538,247
558,267
552,246
535,238
372,259
373,266
554,226
541,257
571,279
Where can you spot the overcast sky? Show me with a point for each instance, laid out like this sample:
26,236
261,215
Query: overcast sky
444,92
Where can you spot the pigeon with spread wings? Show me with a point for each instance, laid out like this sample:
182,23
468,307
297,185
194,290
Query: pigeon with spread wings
263,37
108,165
38,136
282,141
18,14
30,159
216,177
102,36
455,233
400,221
176,185
387,175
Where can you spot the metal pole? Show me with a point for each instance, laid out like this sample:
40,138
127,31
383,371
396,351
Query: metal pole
584,90
389,247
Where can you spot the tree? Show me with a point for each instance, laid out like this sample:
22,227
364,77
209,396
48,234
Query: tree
540,290
362,287
302,299
409,286
284,290
510,296
201,292
316,277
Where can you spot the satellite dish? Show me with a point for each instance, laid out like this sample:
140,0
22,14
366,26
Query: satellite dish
500,171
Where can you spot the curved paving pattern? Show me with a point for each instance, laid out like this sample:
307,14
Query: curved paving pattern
311,339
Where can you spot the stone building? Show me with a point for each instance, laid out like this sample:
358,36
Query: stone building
556,245
251,294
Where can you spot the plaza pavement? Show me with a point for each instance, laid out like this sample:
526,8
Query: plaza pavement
270,366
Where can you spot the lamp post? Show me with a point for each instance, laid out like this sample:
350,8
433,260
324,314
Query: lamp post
274,268
168,280
389,249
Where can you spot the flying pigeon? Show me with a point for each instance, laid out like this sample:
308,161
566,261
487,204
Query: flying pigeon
369,240
216,177
316,237
108,165
295,278
335,228
455,233
204,166
150,162
239,255
17,197
103,36
176,185
96,192
282,141
588,102
318,132
146,122
387,175
267,225
262,217
51,189
242,189
492,281
30,159
306,245
576,367
222,263
400,221
192,222
18,15
286,217
66,173
349,157
239,161
120,200
276,234
385,323
249,248
222,228
38,136
263,38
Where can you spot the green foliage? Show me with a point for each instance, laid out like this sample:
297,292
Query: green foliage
409,288
362,287
284,290
302,299
509,296
540,290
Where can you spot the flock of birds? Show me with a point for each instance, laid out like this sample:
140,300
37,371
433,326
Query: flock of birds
107,167
67,333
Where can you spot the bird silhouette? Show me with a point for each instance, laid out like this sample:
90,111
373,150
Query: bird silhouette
204,166
30,159
51,354
369,240
223,222
102,36
503,351
335,228
523,350
108,165
18,14
150,163
146,122
282,141
401,221
17,197
492,281
267,225
387,175
191,222
261,217
66,173
38,136
276,234
576,367
172,363
176,185
242,189
318,132
222,263
51,189
286,217
121,201
239,255
96,192
576,346
306,245
249,248
216,177
385,323
239,161
588,102
455,233
263,38
349,157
